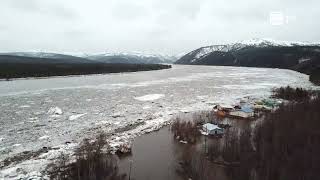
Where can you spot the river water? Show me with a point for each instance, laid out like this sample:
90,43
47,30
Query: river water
108,102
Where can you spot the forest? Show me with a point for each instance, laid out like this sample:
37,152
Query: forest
315,76
24,70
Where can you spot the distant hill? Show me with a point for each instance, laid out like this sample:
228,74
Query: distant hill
302,57
13,65
41,57
132,58
12,59
113,58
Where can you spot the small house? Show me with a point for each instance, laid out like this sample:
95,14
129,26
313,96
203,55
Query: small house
244,112
224,107
223,110
212,129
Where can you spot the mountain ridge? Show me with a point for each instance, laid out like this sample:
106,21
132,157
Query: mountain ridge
231,47
254,54
133,57
301,57
120,57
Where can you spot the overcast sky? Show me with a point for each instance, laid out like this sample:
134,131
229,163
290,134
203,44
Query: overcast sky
151,26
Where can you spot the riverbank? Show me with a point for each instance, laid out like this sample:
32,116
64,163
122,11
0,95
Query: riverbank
23,165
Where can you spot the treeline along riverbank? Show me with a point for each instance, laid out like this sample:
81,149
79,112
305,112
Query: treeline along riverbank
315,76
46,68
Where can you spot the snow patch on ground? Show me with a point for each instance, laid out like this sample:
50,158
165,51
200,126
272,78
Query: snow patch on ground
150,97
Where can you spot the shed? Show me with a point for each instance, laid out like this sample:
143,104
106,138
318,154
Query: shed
225,107
223,110
212,129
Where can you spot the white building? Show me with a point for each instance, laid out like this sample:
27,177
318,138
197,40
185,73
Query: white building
212,129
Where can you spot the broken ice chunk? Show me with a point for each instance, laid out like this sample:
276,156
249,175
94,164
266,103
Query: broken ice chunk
44,137
55,111
24,106
149,97
76,116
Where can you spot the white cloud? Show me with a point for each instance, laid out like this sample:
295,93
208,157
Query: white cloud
165,26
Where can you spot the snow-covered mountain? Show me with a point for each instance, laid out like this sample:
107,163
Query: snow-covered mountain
253,43
299,56
40,57
122,58
132,58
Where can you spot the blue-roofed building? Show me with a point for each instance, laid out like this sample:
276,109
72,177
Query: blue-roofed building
245,112
247,109
212,129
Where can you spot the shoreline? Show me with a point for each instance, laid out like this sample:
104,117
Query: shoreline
115,140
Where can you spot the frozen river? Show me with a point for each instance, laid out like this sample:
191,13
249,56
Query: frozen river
94,103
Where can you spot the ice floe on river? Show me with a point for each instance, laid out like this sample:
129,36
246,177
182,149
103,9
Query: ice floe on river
149,97
55,111
44,137
76,116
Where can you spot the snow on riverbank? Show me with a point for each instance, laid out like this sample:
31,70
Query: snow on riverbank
31,169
